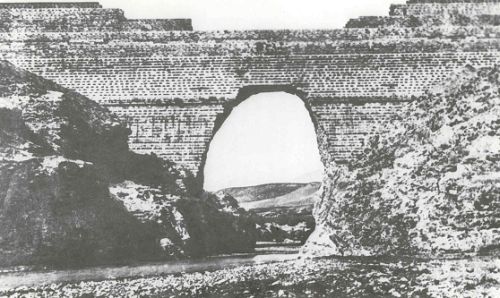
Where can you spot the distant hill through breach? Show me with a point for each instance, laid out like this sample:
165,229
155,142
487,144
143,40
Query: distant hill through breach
282,211
274,195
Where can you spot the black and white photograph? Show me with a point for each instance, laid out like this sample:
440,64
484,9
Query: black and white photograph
249,148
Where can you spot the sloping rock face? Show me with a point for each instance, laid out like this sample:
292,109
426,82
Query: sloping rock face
431,186
63,159
188,225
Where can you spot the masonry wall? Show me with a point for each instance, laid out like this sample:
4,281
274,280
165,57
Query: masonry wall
39,5
76,17
171,103
171,87
180,133
447,8
57,19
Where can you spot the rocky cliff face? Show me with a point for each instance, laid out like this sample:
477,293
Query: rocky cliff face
190,226
71,191
431,186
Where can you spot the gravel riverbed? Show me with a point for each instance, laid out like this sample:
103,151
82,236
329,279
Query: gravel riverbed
332,277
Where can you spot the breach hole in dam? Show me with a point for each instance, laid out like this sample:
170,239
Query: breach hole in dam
267,138
265,154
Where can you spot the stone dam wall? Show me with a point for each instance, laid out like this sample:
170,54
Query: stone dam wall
174,86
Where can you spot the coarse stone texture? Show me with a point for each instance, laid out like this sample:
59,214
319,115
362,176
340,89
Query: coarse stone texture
174,86
356,277
428,186
72,193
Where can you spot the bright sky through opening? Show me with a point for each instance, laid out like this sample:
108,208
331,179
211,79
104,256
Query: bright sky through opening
267,138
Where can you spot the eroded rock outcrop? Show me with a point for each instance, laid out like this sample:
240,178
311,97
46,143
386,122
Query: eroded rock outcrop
188,225
65,167
429,186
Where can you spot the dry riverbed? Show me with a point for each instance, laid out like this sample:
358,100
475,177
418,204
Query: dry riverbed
469,277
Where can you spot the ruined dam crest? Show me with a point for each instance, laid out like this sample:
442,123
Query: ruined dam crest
174,86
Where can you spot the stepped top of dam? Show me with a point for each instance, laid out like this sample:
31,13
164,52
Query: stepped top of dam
174,85
93,17
38,5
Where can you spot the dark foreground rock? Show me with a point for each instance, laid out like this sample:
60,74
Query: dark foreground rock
427,185
474,277
72,193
